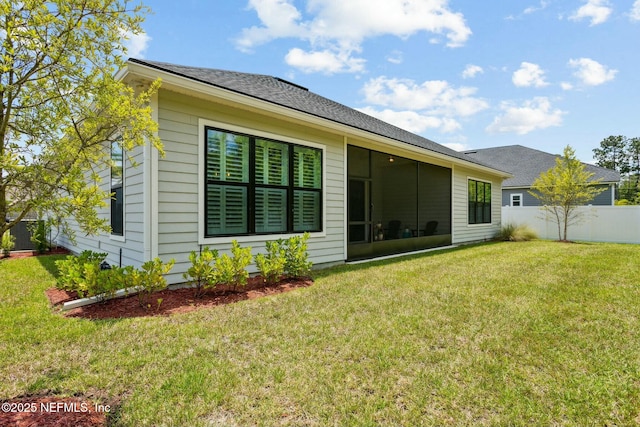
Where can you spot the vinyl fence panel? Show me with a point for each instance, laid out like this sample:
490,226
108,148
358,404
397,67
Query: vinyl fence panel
616,224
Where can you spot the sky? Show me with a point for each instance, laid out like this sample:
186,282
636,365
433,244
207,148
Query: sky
466,74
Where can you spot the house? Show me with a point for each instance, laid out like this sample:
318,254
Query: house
256,158
526,164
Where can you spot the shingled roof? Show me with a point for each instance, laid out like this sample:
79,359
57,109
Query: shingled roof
526,164
286,94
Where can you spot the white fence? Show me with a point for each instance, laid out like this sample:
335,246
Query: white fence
618,224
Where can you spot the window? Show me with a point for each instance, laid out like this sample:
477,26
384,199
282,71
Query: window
117,192
479,202
516,200
259,186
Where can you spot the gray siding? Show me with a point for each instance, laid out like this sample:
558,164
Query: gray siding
178,181
602,199
463,232
126,250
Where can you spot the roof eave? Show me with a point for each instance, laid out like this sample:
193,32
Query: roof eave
173,81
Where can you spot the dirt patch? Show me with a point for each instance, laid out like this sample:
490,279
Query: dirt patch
168,302
53,411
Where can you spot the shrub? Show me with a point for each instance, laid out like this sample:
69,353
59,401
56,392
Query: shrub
149,278
202,273
39,236
272,265
516,233
80,273
297,264
8,243
232,269
84,274
108,281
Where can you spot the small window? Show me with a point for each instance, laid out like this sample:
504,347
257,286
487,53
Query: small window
516,200
117,192
479,202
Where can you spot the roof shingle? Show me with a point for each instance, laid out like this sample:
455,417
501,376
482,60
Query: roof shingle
280,92
526,164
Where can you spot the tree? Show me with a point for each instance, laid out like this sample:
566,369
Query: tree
613,154
563,188
61,106
633,180
623,155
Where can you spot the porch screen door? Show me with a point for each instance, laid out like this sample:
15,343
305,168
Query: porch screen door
360,224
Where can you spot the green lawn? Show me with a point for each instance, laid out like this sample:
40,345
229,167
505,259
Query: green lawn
533,333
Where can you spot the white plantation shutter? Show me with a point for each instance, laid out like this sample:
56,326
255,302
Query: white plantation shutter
307,163
271,210
272,163
263,197
308,168
306,210
226,207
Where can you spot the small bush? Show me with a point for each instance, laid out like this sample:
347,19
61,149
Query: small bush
80,273
39,236
272,265
8,243
149,278
232,269
516,233
297,264
202,273
108,281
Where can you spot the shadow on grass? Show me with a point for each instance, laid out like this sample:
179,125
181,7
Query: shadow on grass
376,262
48,261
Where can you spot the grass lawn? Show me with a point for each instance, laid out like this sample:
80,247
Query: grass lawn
533,333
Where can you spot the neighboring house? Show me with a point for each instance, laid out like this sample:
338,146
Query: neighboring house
526,164
255,158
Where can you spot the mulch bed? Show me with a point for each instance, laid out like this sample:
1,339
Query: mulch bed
56,411
53,411
169,302
25,254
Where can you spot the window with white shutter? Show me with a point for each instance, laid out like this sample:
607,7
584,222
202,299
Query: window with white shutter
260,186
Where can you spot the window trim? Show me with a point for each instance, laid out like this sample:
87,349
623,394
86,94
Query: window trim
480,224
120,237
511,200
203,124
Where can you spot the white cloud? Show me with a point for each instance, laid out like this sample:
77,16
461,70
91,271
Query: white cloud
635,11
413,121
533,114
324,61
472,70
596,10
457,146
136,44
417,107
590,72
532,9
529,75
396,57
342,26
280,19
436,96
566,86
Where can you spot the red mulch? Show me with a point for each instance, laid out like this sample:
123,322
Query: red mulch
173,301
25,254
53,411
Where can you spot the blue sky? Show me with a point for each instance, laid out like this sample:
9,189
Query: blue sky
466,74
